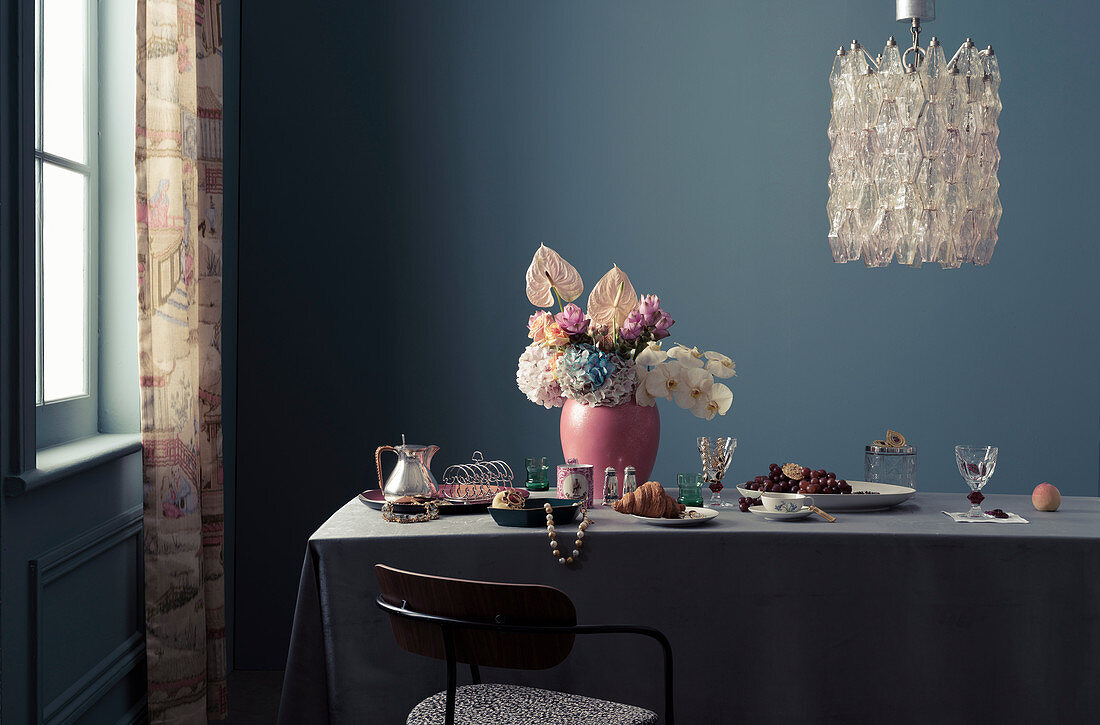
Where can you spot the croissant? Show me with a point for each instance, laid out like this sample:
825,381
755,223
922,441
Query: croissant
651,501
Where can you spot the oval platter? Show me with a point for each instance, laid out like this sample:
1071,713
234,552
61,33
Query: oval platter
875,497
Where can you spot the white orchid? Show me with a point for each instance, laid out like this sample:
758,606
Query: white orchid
719,365
695,386
689,357
664,380
716,402
652,355
641,395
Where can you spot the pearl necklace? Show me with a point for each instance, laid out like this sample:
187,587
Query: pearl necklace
579,543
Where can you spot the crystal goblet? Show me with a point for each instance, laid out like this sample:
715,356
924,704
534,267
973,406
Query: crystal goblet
716,457
976,464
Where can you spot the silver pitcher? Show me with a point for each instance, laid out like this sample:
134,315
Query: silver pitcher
412,475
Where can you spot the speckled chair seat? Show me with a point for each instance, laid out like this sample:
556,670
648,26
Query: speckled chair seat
516,705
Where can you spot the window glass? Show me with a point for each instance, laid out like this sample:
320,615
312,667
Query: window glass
63,293
64,48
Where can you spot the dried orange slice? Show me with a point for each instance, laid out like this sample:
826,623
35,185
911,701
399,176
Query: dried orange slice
883,444
793,471
895,439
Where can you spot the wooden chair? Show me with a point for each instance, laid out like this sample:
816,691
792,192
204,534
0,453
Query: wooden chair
512,626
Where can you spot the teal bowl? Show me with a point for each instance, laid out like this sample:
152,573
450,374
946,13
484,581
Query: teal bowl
534,515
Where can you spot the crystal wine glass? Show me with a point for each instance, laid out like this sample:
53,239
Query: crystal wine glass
717,457
976,464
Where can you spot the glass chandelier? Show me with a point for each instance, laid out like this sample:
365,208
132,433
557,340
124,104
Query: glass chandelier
913,152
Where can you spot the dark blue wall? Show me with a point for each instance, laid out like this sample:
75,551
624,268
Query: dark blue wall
402,161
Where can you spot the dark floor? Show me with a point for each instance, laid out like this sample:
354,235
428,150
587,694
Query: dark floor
254,696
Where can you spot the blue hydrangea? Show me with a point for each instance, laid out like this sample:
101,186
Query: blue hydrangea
587,366
594,377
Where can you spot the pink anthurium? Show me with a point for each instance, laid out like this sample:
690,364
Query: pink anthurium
612,299
549,272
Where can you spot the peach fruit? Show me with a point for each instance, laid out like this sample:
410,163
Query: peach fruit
1046,498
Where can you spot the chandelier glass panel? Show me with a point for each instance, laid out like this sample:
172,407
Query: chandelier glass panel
913,153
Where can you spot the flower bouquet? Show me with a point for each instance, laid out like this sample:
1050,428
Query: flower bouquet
610,358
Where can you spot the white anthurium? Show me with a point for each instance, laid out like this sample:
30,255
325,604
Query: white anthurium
719,365
689,357
664,380
716,402
652,355
549,272
695,386
641,395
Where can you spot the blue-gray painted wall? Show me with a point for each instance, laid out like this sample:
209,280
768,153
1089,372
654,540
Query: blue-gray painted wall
400,162
71,582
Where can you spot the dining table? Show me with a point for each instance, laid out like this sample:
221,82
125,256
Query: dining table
901,615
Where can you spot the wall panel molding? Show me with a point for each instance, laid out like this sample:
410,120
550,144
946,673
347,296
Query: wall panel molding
54,564
138,714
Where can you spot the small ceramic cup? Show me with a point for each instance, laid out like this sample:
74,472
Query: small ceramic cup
784,503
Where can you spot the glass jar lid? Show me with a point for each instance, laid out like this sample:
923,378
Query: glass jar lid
892,450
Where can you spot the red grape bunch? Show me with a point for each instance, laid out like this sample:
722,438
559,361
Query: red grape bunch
745,502
804,480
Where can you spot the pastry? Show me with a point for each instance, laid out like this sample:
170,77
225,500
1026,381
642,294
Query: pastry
507,499
649,500
895,439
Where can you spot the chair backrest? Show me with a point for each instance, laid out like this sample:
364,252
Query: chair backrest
477,601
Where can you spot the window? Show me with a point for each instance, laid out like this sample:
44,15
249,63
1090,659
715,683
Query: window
84,232
66,206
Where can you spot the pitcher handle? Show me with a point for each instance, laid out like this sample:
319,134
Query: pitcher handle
378,463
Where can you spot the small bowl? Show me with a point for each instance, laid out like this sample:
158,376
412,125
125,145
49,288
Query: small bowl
534,515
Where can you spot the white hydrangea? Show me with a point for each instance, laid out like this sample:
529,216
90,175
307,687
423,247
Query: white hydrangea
535,377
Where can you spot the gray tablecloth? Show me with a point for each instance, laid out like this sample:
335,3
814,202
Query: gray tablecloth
899,616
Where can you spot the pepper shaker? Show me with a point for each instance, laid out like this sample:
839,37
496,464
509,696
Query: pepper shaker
630,482
610,494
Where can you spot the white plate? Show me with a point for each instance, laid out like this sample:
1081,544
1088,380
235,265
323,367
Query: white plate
886,495
705,514
785,516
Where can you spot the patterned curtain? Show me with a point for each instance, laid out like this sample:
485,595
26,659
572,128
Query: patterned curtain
179,219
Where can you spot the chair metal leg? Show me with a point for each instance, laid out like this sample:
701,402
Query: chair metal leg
452,675
670,717
475,674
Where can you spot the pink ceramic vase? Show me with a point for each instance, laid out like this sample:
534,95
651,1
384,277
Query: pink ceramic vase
625,435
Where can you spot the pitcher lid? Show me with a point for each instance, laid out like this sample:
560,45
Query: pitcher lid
410,446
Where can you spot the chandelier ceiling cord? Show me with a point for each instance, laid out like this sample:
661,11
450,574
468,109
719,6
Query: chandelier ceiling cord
913,151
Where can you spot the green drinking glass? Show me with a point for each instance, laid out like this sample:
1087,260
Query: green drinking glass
691,488
538,478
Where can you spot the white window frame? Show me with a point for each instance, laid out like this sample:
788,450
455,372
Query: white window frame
68,419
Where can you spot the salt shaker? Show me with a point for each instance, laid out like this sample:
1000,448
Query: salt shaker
630,483
610,494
